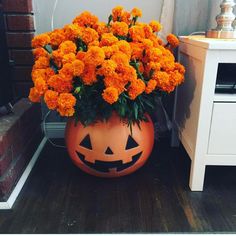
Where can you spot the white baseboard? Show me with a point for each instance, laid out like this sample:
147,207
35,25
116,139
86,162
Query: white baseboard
55,129
9,203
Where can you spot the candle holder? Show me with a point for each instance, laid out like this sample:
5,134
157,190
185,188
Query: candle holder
225,22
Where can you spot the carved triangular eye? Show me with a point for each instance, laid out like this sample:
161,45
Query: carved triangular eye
109,151
131,143
86,142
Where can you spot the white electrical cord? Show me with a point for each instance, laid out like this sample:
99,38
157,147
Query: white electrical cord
45,132
53,13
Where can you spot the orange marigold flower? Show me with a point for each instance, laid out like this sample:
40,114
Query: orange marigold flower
173,40
136,12
120,58
48,73
147,43
152,66
40,85
40,40
119,28
115,81
40,52
176,78
154,54
136,33
160,75
60,85
108,39
80,55
136,88
156,41
180,68
94,56
163,81
136,51
57,56
110,95
89,35
57,37
50,98
147,30
167,63
67,47
34,96
124,47
68,58
66,103
45,74
86,19
110,50
127,73
141,67
67,72
89,75
155,25
72,31
38,73
78,67
151,85
41,63
108,68
102,28
94,43
117,13
125,17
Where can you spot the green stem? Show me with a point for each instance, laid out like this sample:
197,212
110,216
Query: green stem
135,64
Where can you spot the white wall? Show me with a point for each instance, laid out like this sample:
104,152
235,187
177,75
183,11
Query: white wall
66,10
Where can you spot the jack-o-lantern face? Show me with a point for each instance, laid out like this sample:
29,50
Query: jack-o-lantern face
107,149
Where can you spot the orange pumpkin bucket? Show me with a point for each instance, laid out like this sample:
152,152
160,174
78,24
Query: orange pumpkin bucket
107,149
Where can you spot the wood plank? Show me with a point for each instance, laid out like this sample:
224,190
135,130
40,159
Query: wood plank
59,198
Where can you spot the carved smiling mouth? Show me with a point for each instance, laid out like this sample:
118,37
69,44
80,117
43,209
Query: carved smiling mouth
105,166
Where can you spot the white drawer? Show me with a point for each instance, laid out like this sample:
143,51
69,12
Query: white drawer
222,138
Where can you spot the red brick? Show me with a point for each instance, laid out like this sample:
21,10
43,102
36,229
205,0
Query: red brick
21,6
27,129
19,40
9,180
10,125
20,22
21,57
21,73
5,161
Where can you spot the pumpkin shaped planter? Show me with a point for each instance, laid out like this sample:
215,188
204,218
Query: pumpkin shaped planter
116,71
107,149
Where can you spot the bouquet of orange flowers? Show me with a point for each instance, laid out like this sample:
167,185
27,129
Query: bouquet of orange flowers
89,69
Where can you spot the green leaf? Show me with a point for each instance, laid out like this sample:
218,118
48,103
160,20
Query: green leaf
110,18
135,108
48,48
77,90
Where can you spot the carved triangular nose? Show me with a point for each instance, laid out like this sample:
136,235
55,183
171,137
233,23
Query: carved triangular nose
108,151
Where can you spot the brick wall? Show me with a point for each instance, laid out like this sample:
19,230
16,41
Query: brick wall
20,134
20,28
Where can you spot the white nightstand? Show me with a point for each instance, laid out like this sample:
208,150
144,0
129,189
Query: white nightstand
203,121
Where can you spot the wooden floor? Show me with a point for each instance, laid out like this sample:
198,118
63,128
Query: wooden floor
59,198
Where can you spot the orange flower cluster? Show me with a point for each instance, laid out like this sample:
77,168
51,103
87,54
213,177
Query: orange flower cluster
126,55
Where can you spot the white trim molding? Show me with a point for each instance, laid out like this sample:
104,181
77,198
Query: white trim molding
11,200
